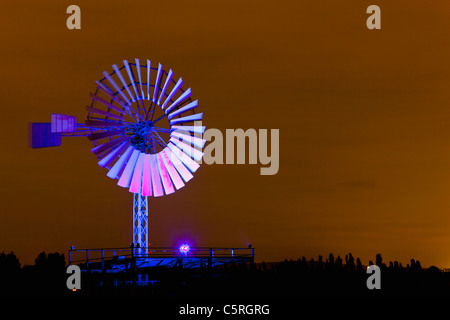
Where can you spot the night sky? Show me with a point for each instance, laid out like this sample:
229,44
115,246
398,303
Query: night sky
363,117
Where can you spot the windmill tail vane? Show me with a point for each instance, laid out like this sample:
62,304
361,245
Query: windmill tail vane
143,125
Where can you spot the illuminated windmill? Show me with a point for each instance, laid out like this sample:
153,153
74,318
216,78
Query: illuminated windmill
146,135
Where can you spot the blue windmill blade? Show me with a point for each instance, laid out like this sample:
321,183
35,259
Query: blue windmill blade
138,68
173,92
185,95
166,84
127,174
103,113
116,87
194,117
111,156
194,129
158,79
131,77
149,69
189,106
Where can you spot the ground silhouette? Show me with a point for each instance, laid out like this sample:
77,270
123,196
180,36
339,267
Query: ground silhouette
330,278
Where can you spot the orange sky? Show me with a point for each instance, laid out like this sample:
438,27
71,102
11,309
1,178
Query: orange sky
363,117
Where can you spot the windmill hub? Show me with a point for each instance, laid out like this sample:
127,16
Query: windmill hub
141,135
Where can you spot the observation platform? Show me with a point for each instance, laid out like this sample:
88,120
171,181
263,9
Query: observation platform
115,260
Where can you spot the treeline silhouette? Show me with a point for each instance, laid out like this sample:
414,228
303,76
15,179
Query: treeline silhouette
46,278
333,278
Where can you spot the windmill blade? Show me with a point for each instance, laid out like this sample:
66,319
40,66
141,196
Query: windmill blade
130,75
108,145
166,84
198,142
106,75
110,94
187,161
124,83
194,117
105,134
135,185
97,123
187,107
158,78
194,129
172,93
127,173
147,177
165,177
187,149
156,179
113,173
107,104
184,173
103,113
149,64
181,98
138,68
113,154
176,179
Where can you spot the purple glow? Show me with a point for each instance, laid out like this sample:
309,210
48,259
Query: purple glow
184,248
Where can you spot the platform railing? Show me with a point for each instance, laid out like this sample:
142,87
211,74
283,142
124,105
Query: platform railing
101,254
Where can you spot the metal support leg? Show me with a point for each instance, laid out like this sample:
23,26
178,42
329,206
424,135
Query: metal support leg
140,223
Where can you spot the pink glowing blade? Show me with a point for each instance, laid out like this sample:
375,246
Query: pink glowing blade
187,161
185,174
156,179
135,185
173,173
147,177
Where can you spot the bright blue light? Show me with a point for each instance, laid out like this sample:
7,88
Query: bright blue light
184,248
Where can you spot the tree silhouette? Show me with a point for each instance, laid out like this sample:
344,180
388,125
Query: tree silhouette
379,260
350,262
331,259
359,266
9,263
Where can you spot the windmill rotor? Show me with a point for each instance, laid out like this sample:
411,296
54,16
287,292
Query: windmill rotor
142,131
